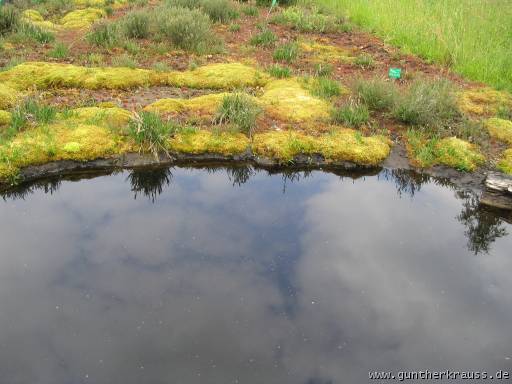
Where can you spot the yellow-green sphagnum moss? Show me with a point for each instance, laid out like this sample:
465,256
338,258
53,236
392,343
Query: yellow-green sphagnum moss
55,75
116,118
81,18
78,19
500,129
287,100
505,164
338,146
202,141
8,96
99,3
201,106
5,118
483,101
450,151
57,141
316,52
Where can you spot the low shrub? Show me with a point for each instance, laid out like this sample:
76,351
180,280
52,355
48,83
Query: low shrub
377,93
240,110
136,25
427,104
104,34
220,11
188,29
307,20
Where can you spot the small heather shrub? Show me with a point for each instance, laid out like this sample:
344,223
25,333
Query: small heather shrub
136,25
219,10
427,104
240,110
104,34
307,20
188,29
378,94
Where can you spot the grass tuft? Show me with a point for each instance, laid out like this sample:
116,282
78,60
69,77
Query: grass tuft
266,38
150,132
352,114
279,72
287,52
377,93
240,110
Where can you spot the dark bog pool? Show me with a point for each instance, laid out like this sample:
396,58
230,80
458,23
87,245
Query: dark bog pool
241,276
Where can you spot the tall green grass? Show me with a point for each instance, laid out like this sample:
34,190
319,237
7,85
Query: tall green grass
474,37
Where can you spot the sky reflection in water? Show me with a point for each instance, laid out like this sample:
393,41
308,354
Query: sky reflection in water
239,276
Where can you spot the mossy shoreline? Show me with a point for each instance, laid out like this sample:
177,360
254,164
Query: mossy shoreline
134,160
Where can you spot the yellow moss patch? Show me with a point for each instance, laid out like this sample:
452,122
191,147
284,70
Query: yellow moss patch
57,142
483,101
54,75
5,118
287,100
505,164
111,117
81,18
340,145
321,53
32,15
450,151
8,96
500,129
98,3
201,106
217,76
201,141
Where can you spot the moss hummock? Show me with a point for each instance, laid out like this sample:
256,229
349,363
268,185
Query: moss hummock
500,129
78,19
200,107
338,146
483,101
43,75
288,100
505,164
5,118
450,151
201,141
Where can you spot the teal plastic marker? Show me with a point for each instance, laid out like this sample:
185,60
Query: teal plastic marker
395,73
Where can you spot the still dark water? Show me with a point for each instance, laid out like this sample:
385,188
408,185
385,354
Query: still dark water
238,276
